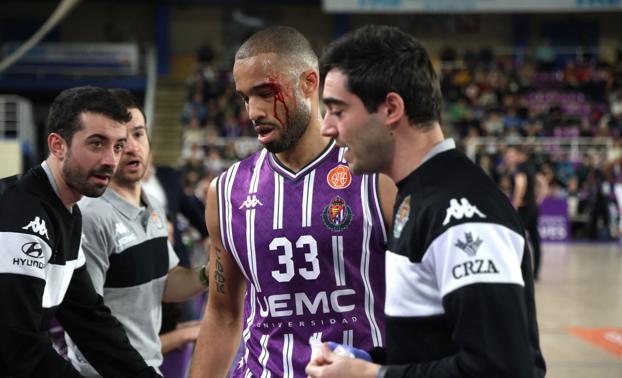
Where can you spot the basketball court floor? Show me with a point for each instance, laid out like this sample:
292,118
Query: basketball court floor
579,304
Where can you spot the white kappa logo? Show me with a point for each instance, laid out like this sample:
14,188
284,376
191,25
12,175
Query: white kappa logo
461,210
120,228
250,203
37,226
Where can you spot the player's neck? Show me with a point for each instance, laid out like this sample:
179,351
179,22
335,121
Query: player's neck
129,191
411,146
67,194
310,146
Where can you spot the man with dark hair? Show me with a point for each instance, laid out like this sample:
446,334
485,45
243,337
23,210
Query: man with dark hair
298,242
128,256
525,186
460,295
42,270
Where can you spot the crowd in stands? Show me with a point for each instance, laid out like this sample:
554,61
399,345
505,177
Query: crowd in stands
536,101
539,103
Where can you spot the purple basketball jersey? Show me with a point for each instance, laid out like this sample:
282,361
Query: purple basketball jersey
311,245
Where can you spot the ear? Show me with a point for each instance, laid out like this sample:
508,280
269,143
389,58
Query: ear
57,145
309,82
394,109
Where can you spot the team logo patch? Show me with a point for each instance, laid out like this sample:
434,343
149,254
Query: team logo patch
469,246
401,217
338,215
339,177
472,266
156,219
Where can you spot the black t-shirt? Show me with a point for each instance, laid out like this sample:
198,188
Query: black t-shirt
529,204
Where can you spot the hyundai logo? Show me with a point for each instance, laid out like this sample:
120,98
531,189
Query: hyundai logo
32,249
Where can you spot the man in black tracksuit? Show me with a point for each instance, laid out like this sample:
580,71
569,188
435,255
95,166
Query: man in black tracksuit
460,294
524,197
42,267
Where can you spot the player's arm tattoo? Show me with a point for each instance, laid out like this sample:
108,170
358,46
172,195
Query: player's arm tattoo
219,273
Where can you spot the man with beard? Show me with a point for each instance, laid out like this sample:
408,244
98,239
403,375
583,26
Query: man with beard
42,270
128,255
298,242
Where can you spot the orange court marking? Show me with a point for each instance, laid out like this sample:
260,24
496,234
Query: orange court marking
609,339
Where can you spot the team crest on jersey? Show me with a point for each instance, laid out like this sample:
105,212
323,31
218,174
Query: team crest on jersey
339,177
156,219
401,217
338,215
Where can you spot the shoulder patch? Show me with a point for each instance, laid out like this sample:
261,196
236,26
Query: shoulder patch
401,217
477,252
156,219
469,246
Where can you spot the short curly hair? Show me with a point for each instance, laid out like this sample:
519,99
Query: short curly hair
379,59
65,111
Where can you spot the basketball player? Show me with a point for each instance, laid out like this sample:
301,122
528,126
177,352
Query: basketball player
298,241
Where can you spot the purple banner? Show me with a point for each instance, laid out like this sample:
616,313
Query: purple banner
554,223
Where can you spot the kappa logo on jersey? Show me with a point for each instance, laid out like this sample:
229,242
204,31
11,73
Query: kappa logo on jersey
469,246
339,177
37,226
120,228
32,249
250,202
461,210
401,217
126,235
338,215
